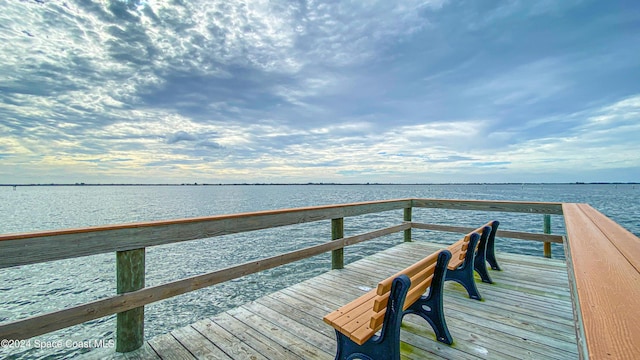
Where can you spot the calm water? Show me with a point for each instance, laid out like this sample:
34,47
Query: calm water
40,288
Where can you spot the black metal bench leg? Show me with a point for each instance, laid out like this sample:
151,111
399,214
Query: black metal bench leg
387,344
430,307
464,273
480,260
490,252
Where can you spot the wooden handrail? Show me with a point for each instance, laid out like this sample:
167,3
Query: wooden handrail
531,207
42,324
36,247
603,263
501,233
31,248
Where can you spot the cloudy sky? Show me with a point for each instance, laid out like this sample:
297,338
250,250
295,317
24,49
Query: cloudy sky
319,91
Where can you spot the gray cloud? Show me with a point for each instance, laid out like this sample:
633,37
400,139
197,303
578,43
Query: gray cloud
339,89
180,136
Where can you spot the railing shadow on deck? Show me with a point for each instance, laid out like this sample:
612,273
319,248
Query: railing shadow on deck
129,241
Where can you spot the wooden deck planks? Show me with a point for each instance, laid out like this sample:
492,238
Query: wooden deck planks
524,320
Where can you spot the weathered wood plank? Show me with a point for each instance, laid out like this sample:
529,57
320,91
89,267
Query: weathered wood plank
407,217
297,326
489,313
484,205
557,314
30,248
309,314
606,284
130,276
627,243
414,330
41,324
280,334
267,347
547,230
230,344
169,348
337,232
508,324
198,345
340,290
501,233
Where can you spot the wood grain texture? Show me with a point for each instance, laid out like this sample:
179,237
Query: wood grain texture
627,243
130,276
35,247
42,324
501,233
509,324
484,205
30,248
607,283
337,232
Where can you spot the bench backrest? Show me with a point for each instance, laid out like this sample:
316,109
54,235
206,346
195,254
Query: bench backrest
459,248
420,274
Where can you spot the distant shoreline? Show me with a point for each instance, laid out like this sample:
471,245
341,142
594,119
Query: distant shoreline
321,183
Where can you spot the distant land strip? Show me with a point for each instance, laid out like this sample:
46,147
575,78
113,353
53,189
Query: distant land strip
316,183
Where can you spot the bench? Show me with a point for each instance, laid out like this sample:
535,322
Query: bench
382,308
463,262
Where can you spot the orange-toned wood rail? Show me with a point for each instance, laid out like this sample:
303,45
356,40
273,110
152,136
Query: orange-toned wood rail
603,261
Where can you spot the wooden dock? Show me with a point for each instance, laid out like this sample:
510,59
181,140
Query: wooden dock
526,314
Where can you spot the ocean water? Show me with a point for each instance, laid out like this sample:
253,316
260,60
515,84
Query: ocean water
40,288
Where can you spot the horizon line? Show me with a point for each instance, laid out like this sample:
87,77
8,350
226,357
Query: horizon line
325,183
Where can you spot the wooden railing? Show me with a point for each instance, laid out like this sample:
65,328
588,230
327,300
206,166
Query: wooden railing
603,264
129,241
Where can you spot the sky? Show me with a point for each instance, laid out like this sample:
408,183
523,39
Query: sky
234,91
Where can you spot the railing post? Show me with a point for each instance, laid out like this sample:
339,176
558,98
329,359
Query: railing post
407,217
547,230
337,232
130,266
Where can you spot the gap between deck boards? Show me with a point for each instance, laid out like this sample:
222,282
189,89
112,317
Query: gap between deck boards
527,314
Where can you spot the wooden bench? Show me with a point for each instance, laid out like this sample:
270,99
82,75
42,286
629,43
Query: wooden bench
382,309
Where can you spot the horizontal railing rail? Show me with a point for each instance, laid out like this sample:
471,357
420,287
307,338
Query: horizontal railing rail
43,324
501,233
31,248
130,240
552,208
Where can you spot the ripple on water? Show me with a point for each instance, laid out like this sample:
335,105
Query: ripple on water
34,289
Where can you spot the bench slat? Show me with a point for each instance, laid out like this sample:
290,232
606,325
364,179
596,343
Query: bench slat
458,252
357,322
417,280
385,285
414,294
336,315
362,334
417,291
